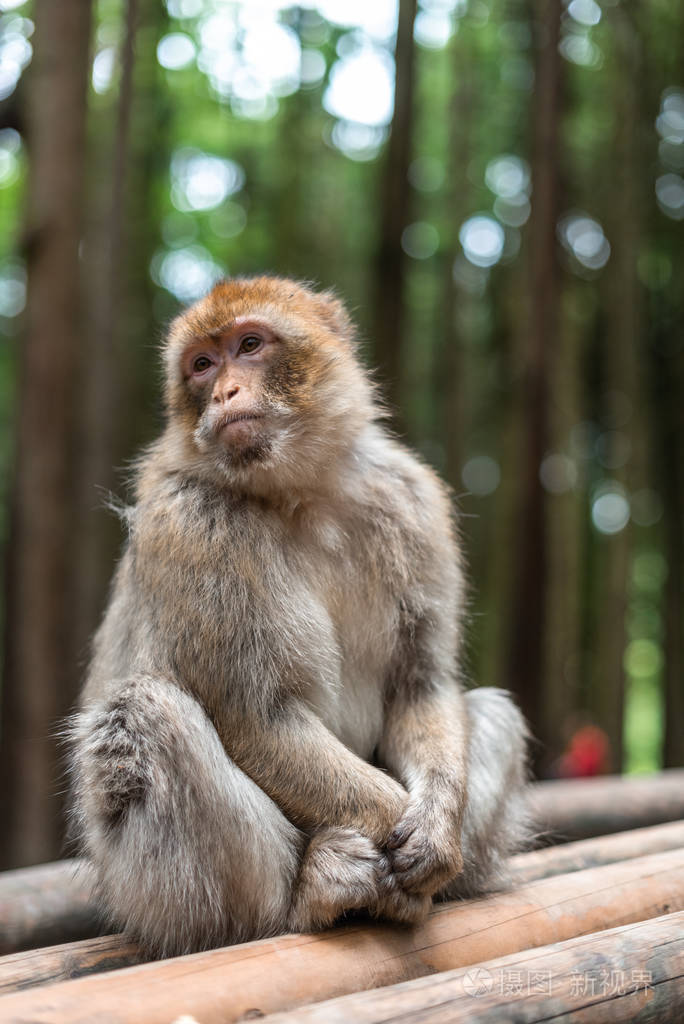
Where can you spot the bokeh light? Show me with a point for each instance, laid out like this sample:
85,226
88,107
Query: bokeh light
420,240
610,508
508,176
377,19
578,48
103,69
647,507
670,120
669,190
361,89
483,240
481,475
10,151
12,289
15,52
358,141
586,12
175,51
185,8
433,28
200,181
583,236
558,473
312,67
643,658
187,273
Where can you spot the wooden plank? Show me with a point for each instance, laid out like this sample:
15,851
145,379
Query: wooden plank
591,853
624,975
70,960
582,808
46,904
75,959
224,985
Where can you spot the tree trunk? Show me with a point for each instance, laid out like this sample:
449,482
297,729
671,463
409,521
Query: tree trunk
100,448
527,616
622,376
667,327
561,686
143,210
448,370
38,687
669,372
672,461
123,372
395,199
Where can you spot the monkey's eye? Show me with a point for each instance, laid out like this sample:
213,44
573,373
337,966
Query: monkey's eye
201,364
250,344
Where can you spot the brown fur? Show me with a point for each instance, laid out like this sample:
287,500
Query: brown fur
273,730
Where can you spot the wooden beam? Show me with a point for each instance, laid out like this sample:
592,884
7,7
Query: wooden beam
70,960
75,959
591,853
624,975
224,985
34,967
582,808
51,903
46,904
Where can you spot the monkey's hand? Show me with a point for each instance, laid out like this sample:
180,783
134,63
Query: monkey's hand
424,849
424,746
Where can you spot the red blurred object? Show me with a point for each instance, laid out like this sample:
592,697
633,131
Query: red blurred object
587,753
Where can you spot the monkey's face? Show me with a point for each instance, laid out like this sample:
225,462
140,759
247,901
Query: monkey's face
263,378
227,376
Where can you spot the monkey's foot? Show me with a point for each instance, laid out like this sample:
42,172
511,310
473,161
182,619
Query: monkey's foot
340,872
395,904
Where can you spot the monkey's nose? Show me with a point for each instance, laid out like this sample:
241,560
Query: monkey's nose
225,396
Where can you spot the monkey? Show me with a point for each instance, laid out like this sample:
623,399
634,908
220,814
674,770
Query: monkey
274,730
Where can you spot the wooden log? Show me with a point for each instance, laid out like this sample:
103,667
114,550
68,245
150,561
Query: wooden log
70,960
582,808
623,975
50,903
46,904
34,967
75,959
591,853
291,971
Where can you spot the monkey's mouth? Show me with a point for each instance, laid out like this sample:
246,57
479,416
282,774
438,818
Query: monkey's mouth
224,423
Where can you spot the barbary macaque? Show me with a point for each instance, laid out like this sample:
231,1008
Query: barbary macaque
273,731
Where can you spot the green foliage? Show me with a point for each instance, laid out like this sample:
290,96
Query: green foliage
232,172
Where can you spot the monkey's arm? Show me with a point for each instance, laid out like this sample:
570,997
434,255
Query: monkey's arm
425,745
313,777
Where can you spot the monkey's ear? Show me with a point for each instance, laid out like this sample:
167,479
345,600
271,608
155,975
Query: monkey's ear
335,316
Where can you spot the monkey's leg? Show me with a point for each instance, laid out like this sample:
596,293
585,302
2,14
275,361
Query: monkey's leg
189,853
496,820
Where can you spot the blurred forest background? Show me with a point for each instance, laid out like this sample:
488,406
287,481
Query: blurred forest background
495,186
